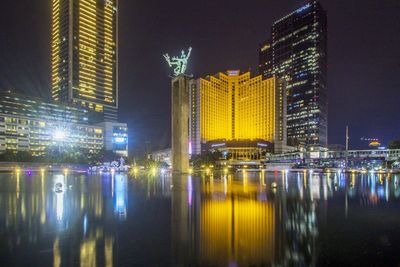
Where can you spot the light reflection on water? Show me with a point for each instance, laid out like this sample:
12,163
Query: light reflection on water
247,219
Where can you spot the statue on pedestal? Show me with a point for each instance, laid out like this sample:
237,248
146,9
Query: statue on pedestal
179,63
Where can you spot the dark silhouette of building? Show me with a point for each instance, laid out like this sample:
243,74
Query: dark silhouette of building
297,52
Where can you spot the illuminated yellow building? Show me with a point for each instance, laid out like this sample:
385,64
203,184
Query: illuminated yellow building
84,54
234,106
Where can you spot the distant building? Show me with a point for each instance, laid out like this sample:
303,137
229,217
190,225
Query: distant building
163,156
236,107
115,137
33,125
297,53
84,55
355,157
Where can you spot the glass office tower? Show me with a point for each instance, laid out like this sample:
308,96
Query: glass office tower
297,52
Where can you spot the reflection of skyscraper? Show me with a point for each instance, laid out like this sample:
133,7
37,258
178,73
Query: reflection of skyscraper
224,224
237,229
297,52
84,54
245,223
120,195
33,214
297,221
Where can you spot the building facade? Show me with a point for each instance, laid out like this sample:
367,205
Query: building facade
163,156
115,137
337,158
33,125
297,53
84,54
234,106
246,150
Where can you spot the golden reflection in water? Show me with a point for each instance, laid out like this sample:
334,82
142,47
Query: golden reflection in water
236,229
17,183
89,249
42,199
56,253
227,224
108,251
88,253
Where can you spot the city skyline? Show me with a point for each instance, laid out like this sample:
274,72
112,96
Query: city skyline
354,74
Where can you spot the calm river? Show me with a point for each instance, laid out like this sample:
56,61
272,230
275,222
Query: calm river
247,219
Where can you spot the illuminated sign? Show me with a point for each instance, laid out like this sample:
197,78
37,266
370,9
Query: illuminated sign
265,47
119,140
233,72
218,145
301,9
374,144
262,145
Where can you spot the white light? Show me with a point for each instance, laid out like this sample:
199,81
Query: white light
119,140
59,135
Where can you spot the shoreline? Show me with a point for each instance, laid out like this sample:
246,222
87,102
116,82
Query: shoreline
40,167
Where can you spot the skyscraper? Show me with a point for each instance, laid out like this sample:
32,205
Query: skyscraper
84,54
235,107
297,52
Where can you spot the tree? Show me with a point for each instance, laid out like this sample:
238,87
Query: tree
23,156
16,156
207,159
110,156
395,144
8,155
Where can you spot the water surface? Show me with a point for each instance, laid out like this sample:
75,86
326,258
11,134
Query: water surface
246,219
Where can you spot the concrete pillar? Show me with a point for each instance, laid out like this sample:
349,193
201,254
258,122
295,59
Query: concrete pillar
180,124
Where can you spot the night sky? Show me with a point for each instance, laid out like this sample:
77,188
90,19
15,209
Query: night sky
363,56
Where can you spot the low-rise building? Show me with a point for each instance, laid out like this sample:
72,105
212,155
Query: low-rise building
333,156
163,156
34,125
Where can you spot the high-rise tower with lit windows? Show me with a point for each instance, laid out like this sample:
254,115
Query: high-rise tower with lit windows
235,106
85,55
297,52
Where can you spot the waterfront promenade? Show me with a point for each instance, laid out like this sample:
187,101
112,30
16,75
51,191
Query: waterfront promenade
36,167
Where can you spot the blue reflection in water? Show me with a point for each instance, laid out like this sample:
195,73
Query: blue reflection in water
190,190
120,195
